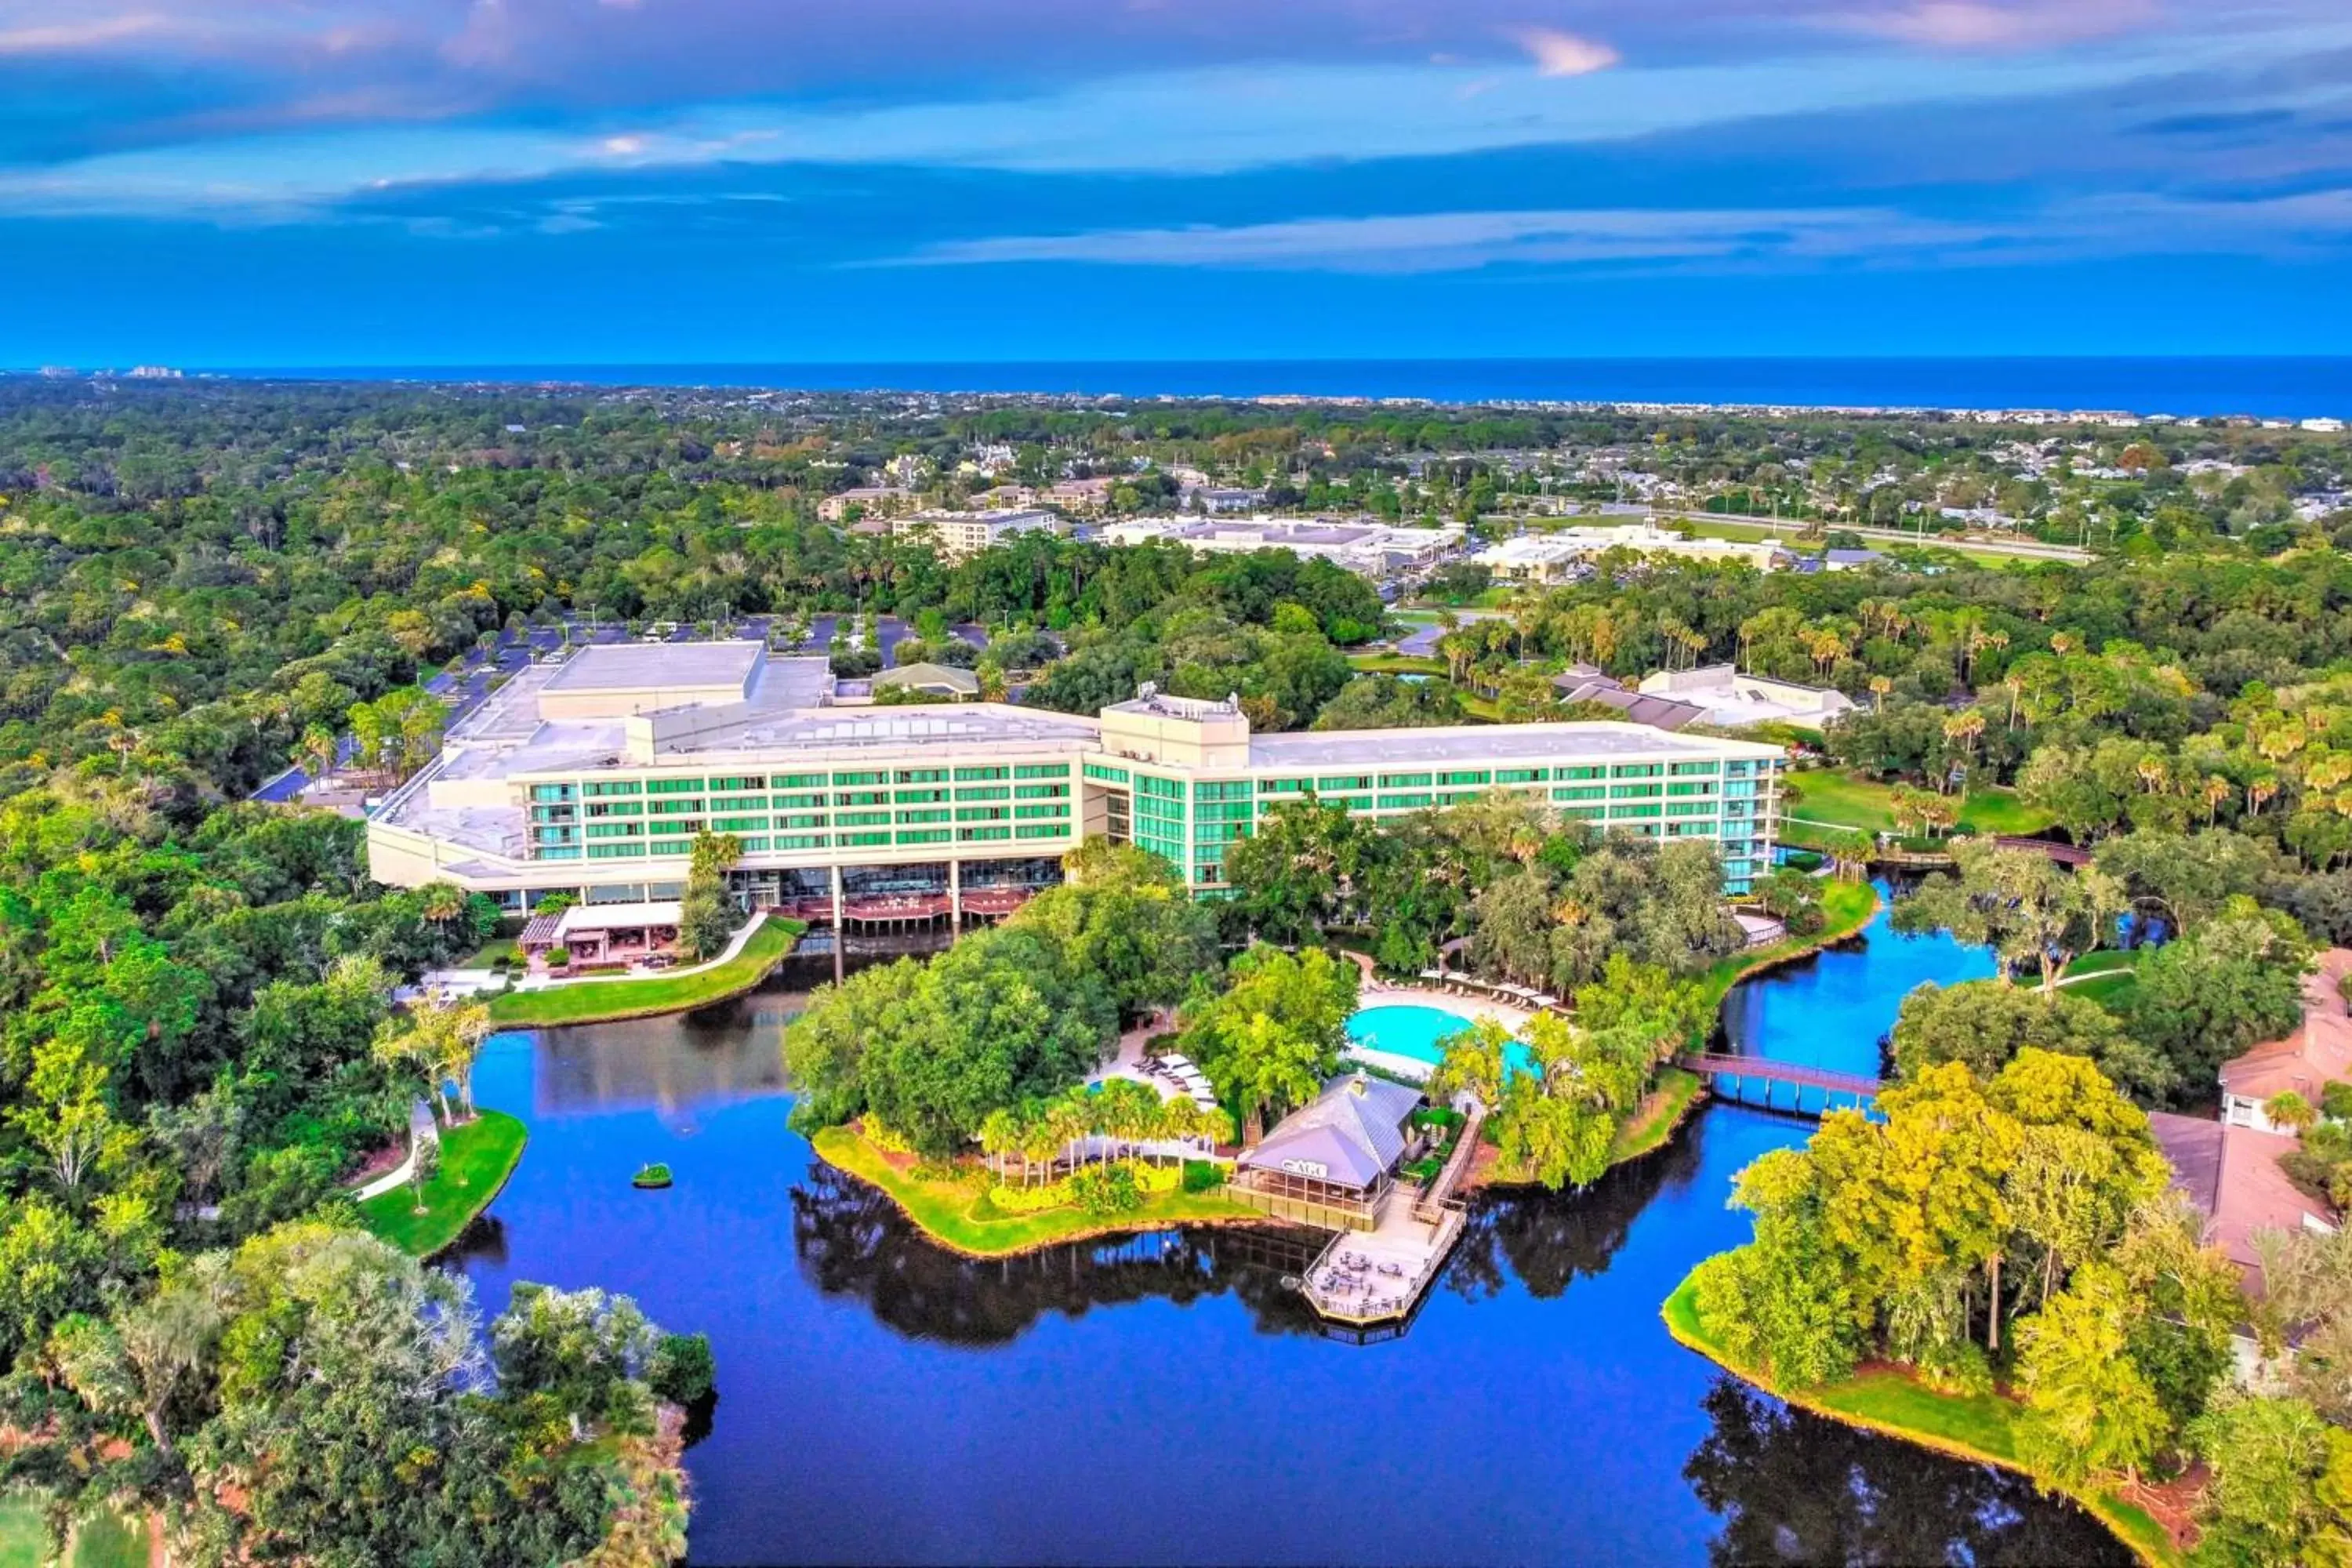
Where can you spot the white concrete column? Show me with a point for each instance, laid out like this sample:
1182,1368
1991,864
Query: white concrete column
955,896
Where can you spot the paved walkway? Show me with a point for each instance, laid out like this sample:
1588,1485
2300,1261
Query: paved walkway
734,945
1127,1061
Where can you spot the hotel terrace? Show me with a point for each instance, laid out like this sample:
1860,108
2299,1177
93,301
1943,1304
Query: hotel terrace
591,777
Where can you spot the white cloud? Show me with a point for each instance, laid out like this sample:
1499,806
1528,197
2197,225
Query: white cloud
1428,242
2311,224
1564,54
66,37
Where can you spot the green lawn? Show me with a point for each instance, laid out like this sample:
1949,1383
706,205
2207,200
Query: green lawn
2111,976
1669,1102
956,1214
475,1161
105,1540
604,1001
1848,800
1973,1427
109,1539
481,957
1396,664
24,1541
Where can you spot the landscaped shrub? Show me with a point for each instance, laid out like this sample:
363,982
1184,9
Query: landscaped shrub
557,957
1123,1186
1204,1176
1107,1189
1959,1369
882,1138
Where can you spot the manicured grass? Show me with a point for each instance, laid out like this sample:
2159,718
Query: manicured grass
1851,801
475,1161
1661,1113
1980,1427
2111,976
598,1002
24,1539
109,1539
1396,664
481,957
957,1215
104,1540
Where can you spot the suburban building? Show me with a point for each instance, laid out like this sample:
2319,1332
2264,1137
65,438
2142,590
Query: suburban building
871,500
1561,555
593,778
1639,707
957,534
2319,1051
1370,548
1732,700
2231,1175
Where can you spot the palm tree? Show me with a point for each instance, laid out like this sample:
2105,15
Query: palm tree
1880,686
999,1134
2289,1110
2217,790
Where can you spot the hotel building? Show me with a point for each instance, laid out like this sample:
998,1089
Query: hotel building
591,777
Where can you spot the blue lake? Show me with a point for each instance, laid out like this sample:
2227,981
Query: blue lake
1164,1399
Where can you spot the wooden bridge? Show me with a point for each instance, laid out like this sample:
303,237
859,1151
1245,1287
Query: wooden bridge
1741,1071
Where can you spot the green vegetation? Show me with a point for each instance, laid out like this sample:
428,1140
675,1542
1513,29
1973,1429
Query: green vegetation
1671,1094
1565,1122
23,1538
1846,908
651,1177
1848,800
477,1158
109,1539
956,1211
603,1001
1015,1014
1979,1426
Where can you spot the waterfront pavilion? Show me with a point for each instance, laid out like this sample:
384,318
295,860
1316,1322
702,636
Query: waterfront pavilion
1332,1163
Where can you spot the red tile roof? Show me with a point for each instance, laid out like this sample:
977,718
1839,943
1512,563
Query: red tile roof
2317,1053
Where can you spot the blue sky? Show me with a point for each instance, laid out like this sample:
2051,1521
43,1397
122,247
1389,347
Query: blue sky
546,182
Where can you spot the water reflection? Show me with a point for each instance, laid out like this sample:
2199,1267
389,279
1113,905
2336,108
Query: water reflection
1796,1488
1164,1398
1547,1241
853,1241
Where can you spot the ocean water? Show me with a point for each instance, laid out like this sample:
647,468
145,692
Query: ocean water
2264,387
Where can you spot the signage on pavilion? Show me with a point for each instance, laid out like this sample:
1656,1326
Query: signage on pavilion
1315,1168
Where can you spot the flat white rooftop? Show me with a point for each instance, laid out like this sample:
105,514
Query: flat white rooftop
632,667
1487,743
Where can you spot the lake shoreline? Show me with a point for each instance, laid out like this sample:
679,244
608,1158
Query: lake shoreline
2141,1536
849,1154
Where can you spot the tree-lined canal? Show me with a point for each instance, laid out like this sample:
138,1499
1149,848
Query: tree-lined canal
1164,1398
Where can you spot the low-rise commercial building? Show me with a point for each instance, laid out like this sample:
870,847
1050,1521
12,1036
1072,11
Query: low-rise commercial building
576,779
1361,545
1732,700
957,534
1560,555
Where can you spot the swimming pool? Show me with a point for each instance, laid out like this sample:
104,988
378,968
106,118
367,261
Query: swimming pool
1410,1029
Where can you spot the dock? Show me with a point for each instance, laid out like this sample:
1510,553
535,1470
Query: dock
1365,1277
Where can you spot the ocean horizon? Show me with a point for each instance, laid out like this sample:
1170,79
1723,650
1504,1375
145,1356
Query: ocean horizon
2270,387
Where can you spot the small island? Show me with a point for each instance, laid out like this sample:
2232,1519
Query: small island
651,1178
